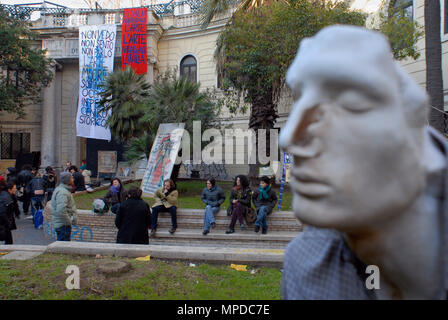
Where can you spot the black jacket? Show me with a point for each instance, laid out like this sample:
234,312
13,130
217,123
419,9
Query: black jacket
24,177
50,180
245,199
8,208
37,183
12,176
79,181
133,220
270,202
111,198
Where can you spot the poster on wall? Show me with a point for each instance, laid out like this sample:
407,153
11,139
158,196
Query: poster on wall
96,61
287,162
107,161
133,39
162,157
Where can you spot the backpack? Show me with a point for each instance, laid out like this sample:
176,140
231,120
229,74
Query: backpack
99,206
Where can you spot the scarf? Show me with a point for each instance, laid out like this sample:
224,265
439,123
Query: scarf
239,191
212,189
264,193
168,192
115,190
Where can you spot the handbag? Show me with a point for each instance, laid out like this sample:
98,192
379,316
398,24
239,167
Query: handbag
229,210
250,215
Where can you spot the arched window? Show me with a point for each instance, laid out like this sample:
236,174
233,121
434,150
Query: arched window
188,68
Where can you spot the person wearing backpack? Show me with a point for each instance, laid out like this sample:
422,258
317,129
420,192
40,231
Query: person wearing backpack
50,181
8,208
36,189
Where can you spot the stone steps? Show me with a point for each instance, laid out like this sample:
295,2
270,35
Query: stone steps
188,238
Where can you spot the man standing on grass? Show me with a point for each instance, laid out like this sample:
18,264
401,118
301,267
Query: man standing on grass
63,208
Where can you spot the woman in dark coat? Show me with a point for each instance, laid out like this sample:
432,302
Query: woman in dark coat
133,219
8,208
239,202
116,195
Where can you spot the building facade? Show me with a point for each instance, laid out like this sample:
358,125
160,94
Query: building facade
174,40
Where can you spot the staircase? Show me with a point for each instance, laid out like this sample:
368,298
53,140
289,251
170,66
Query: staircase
282,228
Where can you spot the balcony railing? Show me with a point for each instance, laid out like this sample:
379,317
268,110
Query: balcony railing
60,13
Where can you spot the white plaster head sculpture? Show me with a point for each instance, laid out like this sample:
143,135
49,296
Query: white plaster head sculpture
364,161
356,131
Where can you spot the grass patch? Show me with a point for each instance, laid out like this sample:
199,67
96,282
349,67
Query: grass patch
44,277
189,195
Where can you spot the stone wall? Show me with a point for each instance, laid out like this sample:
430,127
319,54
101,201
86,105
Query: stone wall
90,227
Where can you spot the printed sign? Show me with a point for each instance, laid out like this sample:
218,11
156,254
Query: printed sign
133,39
96,61
107,161
162,157
287,161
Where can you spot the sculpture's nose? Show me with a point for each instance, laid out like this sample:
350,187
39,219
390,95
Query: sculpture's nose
295,136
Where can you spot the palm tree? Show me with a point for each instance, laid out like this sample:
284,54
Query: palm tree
173,100
212,8
433,50
125,94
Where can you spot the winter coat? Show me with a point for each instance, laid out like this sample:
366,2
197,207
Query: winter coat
111,198
245,199
163,200
270,202
79,181
50,180
24,177
8,208
63,207
133,220
12,176
213,198
36,186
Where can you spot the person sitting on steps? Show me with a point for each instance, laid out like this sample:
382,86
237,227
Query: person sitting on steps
116,195
264,199
213,197
239,202
166,201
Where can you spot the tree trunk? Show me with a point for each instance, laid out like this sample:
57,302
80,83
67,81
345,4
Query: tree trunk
263,116
433,50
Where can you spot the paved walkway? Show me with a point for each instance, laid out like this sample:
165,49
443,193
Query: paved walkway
26,234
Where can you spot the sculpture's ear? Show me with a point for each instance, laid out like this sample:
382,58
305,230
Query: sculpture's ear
434,157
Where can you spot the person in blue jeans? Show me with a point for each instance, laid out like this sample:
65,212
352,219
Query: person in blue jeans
63,208
213,197
36,189
264,199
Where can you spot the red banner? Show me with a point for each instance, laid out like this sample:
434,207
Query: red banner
133,39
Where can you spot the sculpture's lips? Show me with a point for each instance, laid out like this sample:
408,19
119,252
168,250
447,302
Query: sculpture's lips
309,186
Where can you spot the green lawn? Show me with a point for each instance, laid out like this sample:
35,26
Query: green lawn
44,277
189,195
